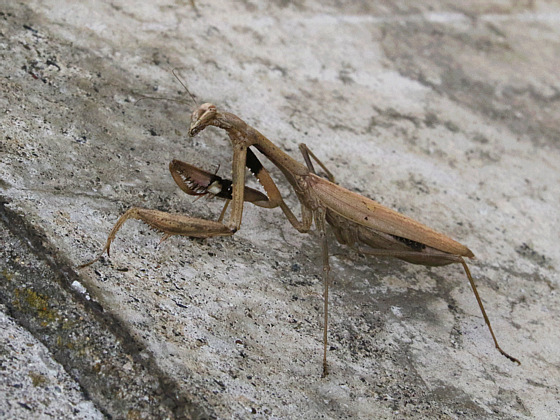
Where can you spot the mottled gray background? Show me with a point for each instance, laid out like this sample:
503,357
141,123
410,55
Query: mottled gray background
444,111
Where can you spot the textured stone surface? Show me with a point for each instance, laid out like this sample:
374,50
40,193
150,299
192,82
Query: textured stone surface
444,113
32,383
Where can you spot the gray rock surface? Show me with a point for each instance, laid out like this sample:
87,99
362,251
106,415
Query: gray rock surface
33,384
448,113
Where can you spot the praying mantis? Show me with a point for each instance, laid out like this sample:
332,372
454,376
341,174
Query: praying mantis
355,220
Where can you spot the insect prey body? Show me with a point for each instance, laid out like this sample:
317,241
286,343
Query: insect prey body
356,221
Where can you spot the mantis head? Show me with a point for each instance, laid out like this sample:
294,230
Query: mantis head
201,118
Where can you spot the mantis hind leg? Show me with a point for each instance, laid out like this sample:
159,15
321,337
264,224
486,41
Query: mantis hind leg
486,319
442,259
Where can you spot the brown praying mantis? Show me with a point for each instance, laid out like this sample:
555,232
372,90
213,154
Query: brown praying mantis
356,221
